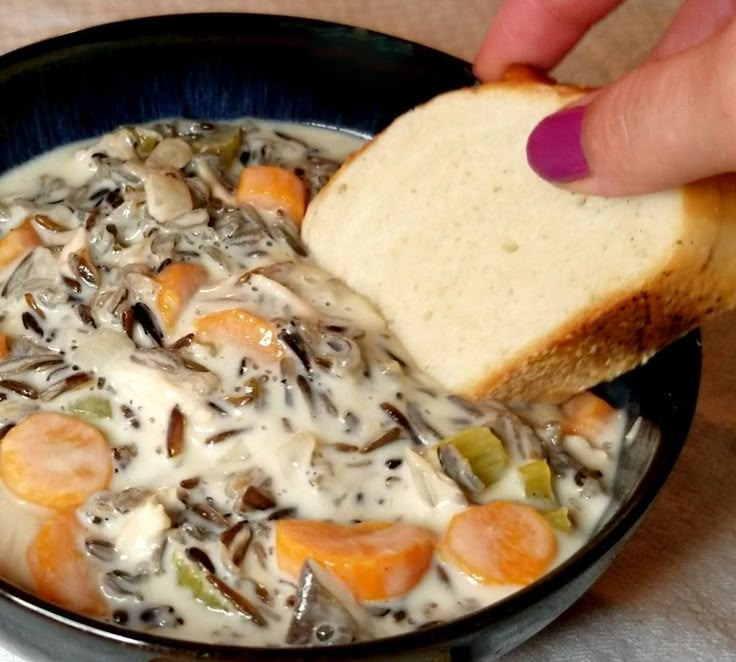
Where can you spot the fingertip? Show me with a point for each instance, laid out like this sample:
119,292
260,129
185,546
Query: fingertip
538,32
488,66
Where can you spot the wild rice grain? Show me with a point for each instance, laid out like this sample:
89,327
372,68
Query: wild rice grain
293,340
199,556
21,388
221,436
401,420
81,266
73,285
210,514
239,601
391,435
49,223
236,541
31,301
85,314
31,324
175,433
101,549
183,342
128,322
257,498
143,315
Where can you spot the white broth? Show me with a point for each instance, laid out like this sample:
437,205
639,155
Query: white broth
217,436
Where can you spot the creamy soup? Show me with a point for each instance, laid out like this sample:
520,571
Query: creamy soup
207,436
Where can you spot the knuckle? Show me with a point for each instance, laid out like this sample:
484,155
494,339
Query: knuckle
613,133
573,12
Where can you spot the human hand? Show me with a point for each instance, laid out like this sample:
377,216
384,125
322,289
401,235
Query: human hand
670,121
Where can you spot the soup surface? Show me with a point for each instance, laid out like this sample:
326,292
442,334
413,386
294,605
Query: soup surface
207,436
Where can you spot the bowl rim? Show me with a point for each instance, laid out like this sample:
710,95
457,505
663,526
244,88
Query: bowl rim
447,633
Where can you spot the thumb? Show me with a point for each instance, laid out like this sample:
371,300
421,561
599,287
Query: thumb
666,123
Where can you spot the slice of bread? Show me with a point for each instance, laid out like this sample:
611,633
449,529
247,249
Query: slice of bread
500,284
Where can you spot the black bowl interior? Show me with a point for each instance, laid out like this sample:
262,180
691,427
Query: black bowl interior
214,66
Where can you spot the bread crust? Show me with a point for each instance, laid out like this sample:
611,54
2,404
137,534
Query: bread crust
626,330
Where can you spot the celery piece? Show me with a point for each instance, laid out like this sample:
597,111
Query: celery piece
145,141
222,141
537,479
559,519
483,451
95,406
191,577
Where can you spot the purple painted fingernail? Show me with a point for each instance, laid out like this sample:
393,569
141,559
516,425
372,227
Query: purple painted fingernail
554,149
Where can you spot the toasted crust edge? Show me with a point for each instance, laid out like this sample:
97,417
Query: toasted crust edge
625,331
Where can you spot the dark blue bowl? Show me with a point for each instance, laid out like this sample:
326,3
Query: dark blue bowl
216,66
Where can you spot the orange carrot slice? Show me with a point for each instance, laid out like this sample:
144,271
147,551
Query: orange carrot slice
59,568
271,187
4,346
18,242
235,326
500,543
376,560
586,415
55,460
179,283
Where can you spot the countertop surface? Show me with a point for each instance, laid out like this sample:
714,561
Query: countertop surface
671,594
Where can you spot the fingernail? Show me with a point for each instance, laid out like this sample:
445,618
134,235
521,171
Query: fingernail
554,149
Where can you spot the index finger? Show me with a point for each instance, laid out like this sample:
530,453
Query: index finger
536,32
695,21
